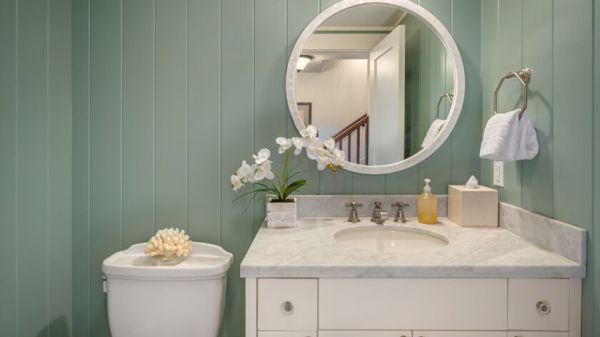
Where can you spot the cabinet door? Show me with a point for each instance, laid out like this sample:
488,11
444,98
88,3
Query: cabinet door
365,334
537,334
421,304
538,304
460,334
287,334
287,304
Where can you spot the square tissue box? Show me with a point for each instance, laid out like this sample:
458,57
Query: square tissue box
473,207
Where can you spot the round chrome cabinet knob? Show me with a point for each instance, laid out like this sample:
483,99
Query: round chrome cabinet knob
543,307
287,308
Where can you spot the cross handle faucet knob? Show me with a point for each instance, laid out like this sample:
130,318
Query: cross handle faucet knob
353,211
400,211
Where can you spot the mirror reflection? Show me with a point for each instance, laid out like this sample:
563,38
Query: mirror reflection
376,79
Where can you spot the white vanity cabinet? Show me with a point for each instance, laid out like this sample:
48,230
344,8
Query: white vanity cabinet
366,333
412,307
459,334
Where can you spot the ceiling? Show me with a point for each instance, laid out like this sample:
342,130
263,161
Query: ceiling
366,16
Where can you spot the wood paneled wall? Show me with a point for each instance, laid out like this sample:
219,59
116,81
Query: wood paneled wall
35,170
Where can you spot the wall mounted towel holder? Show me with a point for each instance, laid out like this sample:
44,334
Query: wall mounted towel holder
524,76
449,96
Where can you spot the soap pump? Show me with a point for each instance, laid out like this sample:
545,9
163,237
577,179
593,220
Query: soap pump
427,205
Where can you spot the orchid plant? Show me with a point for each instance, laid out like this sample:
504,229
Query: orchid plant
281,186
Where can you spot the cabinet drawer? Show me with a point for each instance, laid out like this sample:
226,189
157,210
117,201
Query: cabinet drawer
538,304
537,334
287,304
401,304
459,334
365,334
287,334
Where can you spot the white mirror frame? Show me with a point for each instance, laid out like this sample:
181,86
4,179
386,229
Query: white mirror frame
444,36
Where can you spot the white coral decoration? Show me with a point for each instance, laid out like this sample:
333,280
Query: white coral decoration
169,243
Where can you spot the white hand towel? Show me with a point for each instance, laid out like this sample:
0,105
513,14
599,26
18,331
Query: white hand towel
433,131
506,138
528,144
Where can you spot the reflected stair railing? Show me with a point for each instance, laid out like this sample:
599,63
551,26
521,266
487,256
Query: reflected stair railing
345,136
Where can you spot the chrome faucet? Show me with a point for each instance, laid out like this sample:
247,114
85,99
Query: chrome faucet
379,215
353,211
400,212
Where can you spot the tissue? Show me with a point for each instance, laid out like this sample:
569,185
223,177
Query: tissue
472,183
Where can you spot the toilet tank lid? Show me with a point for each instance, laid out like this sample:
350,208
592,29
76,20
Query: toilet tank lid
205,261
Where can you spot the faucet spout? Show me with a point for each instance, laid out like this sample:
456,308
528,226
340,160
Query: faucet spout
379,215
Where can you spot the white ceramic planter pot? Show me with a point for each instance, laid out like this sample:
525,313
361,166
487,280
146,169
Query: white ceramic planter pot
281,214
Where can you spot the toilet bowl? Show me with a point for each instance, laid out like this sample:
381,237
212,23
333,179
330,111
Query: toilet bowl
156,299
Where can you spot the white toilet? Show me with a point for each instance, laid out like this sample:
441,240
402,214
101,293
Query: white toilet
150,299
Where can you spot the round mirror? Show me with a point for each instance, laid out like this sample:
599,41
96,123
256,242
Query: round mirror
383,78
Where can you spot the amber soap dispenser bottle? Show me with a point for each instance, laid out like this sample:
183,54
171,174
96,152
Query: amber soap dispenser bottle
427,205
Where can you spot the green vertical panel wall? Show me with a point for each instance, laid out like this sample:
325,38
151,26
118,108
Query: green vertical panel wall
81,168
538,190
168,98
171,113
138,121
8,165
32,188
555,39
35,174
510,23
106,113
270,63
204,120
237,142
59,230
595,237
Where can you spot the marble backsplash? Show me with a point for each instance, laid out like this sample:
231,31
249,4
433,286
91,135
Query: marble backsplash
556,236
335,205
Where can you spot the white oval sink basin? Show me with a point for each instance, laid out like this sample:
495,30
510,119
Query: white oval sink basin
390,239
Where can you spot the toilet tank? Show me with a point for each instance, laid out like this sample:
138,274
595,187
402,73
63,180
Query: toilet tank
149,298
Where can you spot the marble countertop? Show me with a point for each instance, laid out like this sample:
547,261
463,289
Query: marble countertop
310,250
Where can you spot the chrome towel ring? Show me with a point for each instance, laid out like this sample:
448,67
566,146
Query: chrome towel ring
524,76
449,96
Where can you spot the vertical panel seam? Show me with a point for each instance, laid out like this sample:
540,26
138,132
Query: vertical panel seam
47,160
594,134
122,133
253,75
220,120
154,119
451,138
17,165
254,105
521,164
89,160
553,206
187,115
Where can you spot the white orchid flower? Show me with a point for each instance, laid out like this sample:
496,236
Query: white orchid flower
329,144
284,144
236,182
339,157
244,171
298,144
263,156
322,163
263,171
312,149
309,133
